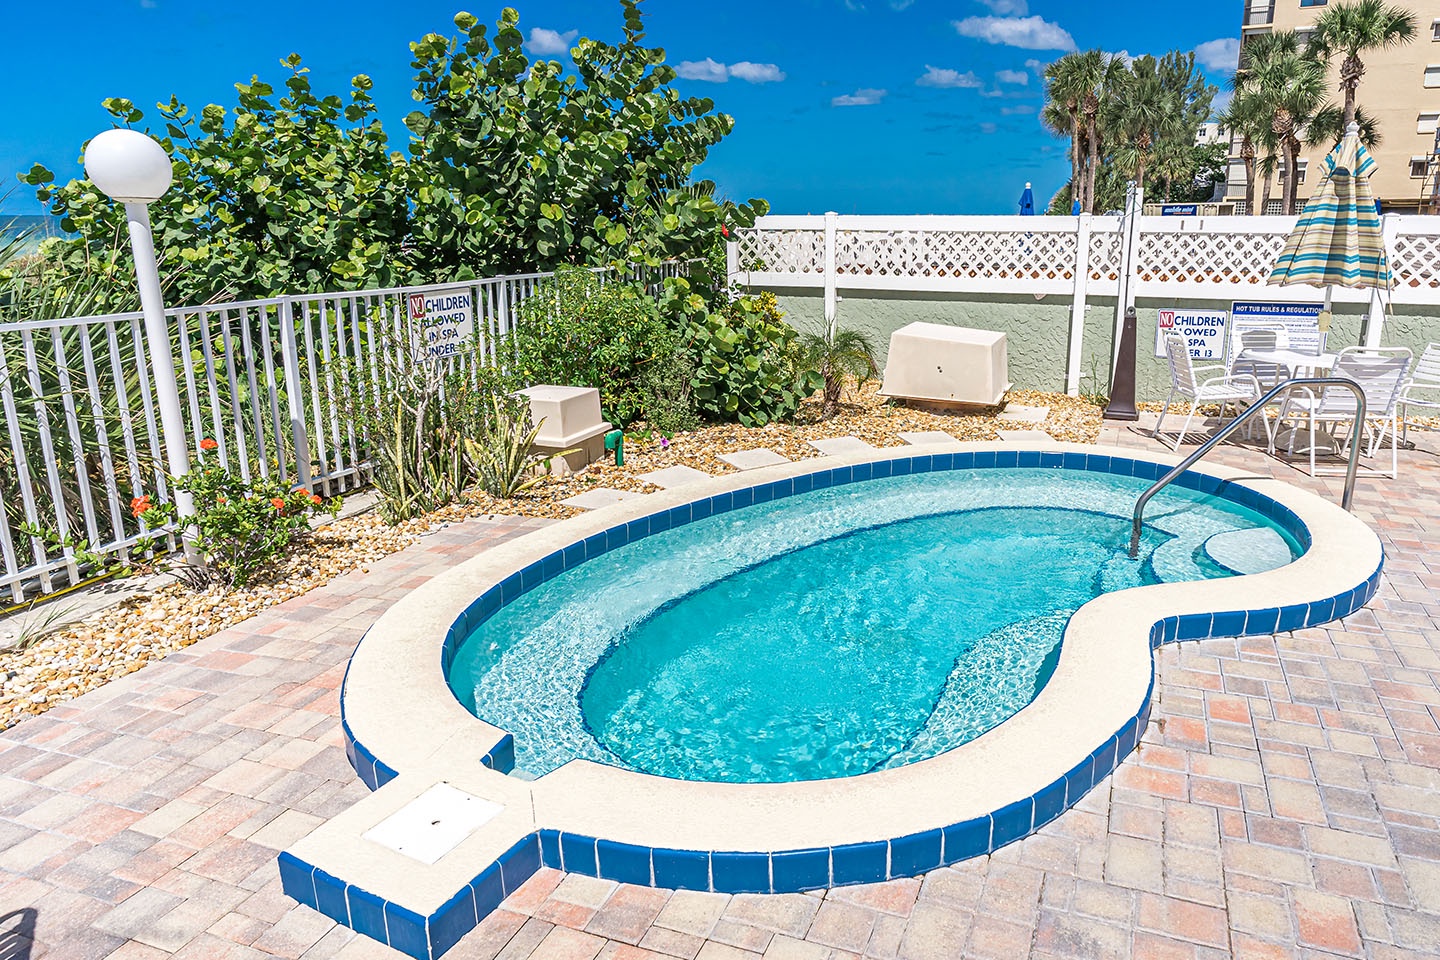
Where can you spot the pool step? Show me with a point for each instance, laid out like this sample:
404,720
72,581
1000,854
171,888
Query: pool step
753,459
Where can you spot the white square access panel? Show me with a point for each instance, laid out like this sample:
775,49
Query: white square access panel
434,823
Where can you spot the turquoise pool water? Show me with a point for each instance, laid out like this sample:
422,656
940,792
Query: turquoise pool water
830,633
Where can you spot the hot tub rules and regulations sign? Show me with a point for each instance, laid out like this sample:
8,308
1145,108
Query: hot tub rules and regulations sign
1203,330
441,321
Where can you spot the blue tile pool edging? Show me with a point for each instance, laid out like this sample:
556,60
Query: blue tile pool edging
783,871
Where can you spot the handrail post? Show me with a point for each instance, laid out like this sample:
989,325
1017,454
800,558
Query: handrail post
1351,470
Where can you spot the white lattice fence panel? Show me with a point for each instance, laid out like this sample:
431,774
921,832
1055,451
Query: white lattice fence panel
1000,255
1104,256
1416,262
780,251
1241,259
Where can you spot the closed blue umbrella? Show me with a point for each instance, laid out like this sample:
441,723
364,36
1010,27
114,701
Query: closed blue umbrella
1027,203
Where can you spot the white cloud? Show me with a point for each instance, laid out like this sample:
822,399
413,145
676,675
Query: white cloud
710,70
1019,77
756,72
988,128
1221,103
1124,56
1016,8
1020,109
940,77
1027,33
900,4
1037,65
1221,55
864,97
546,42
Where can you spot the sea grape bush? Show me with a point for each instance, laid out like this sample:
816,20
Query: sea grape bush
513,165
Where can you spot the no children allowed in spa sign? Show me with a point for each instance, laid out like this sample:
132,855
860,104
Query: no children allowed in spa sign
1203,330
441,321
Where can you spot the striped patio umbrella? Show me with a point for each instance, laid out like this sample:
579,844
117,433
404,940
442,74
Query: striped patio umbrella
1337,240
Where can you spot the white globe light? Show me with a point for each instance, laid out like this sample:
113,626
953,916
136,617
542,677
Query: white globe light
128,166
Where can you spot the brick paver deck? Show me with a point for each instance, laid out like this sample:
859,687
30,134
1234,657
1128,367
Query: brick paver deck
1283,803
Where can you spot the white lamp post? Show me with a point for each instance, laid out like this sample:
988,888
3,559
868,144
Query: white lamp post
132,168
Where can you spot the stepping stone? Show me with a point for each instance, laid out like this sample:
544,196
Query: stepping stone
927,436
839,446
1018,411
753,459
674,476
1025,436
599,497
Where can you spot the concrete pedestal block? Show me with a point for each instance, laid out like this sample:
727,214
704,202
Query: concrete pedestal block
937,363
569,419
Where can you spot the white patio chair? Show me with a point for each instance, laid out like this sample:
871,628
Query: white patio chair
1381,373
1421,391
1241,389
1264,339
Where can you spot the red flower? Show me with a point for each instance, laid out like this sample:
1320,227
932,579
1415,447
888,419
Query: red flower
277,502
208,444
139,505
315,498
724,230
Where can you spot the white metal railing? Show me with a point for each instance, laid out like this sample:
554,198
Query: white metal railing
260,377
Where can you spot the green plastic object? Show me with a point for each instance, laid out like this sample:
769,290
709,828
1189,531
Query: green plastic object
615,440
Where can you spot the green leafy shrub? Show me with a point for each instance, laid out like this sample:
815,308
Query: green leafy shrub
747,366
579,330
241,525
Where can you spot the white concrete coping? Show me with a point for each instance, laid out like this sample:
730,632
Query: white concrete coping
398,705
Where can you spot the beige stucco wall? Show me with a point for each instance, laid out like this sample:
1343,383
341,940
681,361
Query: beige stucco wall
1038,332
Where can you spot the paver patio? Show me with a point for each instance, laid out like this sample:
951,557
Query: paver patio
1283,803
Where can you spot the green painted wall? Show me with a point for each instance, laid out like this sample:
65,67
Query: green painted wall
1038,331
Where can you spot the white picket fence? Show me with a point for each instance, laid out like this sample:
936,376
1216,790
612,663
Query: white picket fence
1185,259
261,378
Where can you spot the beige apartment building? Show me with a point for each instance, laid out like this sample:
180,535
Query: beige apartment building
1401,89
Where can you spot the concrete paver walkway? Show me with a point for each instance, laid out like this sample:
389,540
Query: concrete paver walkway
1285,802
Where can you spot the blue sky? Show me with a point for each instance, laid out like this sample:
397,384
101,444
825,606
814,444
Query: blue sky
859,106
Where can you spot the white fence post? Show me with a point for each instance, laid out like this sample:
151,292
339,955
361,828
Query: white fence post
1077,305
732,260
1375,319
1129,264
294,398
831,218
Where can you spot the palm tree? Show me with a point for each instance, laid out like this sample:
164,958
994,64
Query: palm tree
1290,80
1356,28
836,357
1248,119
1112,73
1158,110
1064,92
1328,127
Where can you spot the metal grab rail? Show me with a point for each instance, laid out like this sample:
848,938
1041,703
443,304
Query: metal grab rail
1356,432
